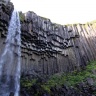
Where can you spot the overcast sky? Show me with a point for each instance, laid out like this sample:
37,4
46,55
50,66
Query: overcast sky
60,11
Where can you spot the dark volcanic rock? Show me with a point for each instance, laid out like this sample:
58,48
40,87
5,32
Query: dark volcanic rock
6,9
51,48
47,47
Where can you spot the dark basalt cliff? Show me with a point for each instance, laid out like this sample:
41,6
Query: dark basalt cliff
6,9
49,48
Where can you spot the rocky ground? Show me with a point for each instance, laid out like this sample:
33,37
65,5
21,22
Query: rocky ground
81,83
81,89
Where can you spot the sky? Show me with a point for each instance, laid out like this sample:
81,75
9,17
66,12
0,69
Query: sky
60,11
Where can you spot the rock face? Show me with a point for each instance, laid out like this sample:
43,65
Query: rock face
6,9
49,48
5,14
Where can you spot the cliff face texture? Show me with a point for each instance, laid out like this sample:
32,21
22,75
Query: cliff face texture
49,48
6,9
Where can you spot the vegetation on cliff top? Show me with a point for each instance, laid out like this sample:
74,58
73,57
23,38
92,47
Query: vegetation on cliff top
21,16
69,79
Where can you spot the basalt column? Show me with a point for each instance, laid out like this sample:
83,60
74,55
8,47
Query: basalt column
49,48
6,9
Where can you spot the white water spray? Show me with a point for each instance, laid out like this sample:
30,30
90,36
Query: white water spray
10,59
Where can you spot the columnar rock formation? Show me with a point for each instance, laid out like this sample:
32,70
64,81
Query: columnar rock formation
49,48
6,9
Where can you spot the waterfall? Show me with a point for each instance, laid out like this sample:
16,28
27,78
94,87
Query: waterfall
10,59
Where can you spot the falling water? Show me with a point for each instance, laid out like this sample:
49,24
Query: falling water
10,59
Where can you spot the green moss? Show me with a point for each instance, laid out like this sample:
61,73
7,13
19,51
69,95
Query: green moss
27,83
71,79
94,21
47,88
21,16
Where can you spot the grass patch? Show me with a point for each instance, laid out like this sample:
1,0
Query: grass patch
21,16
27,83
71,79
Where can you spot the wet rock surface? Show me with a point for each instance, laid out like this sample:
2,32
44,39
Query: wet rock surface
6,9
5,14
